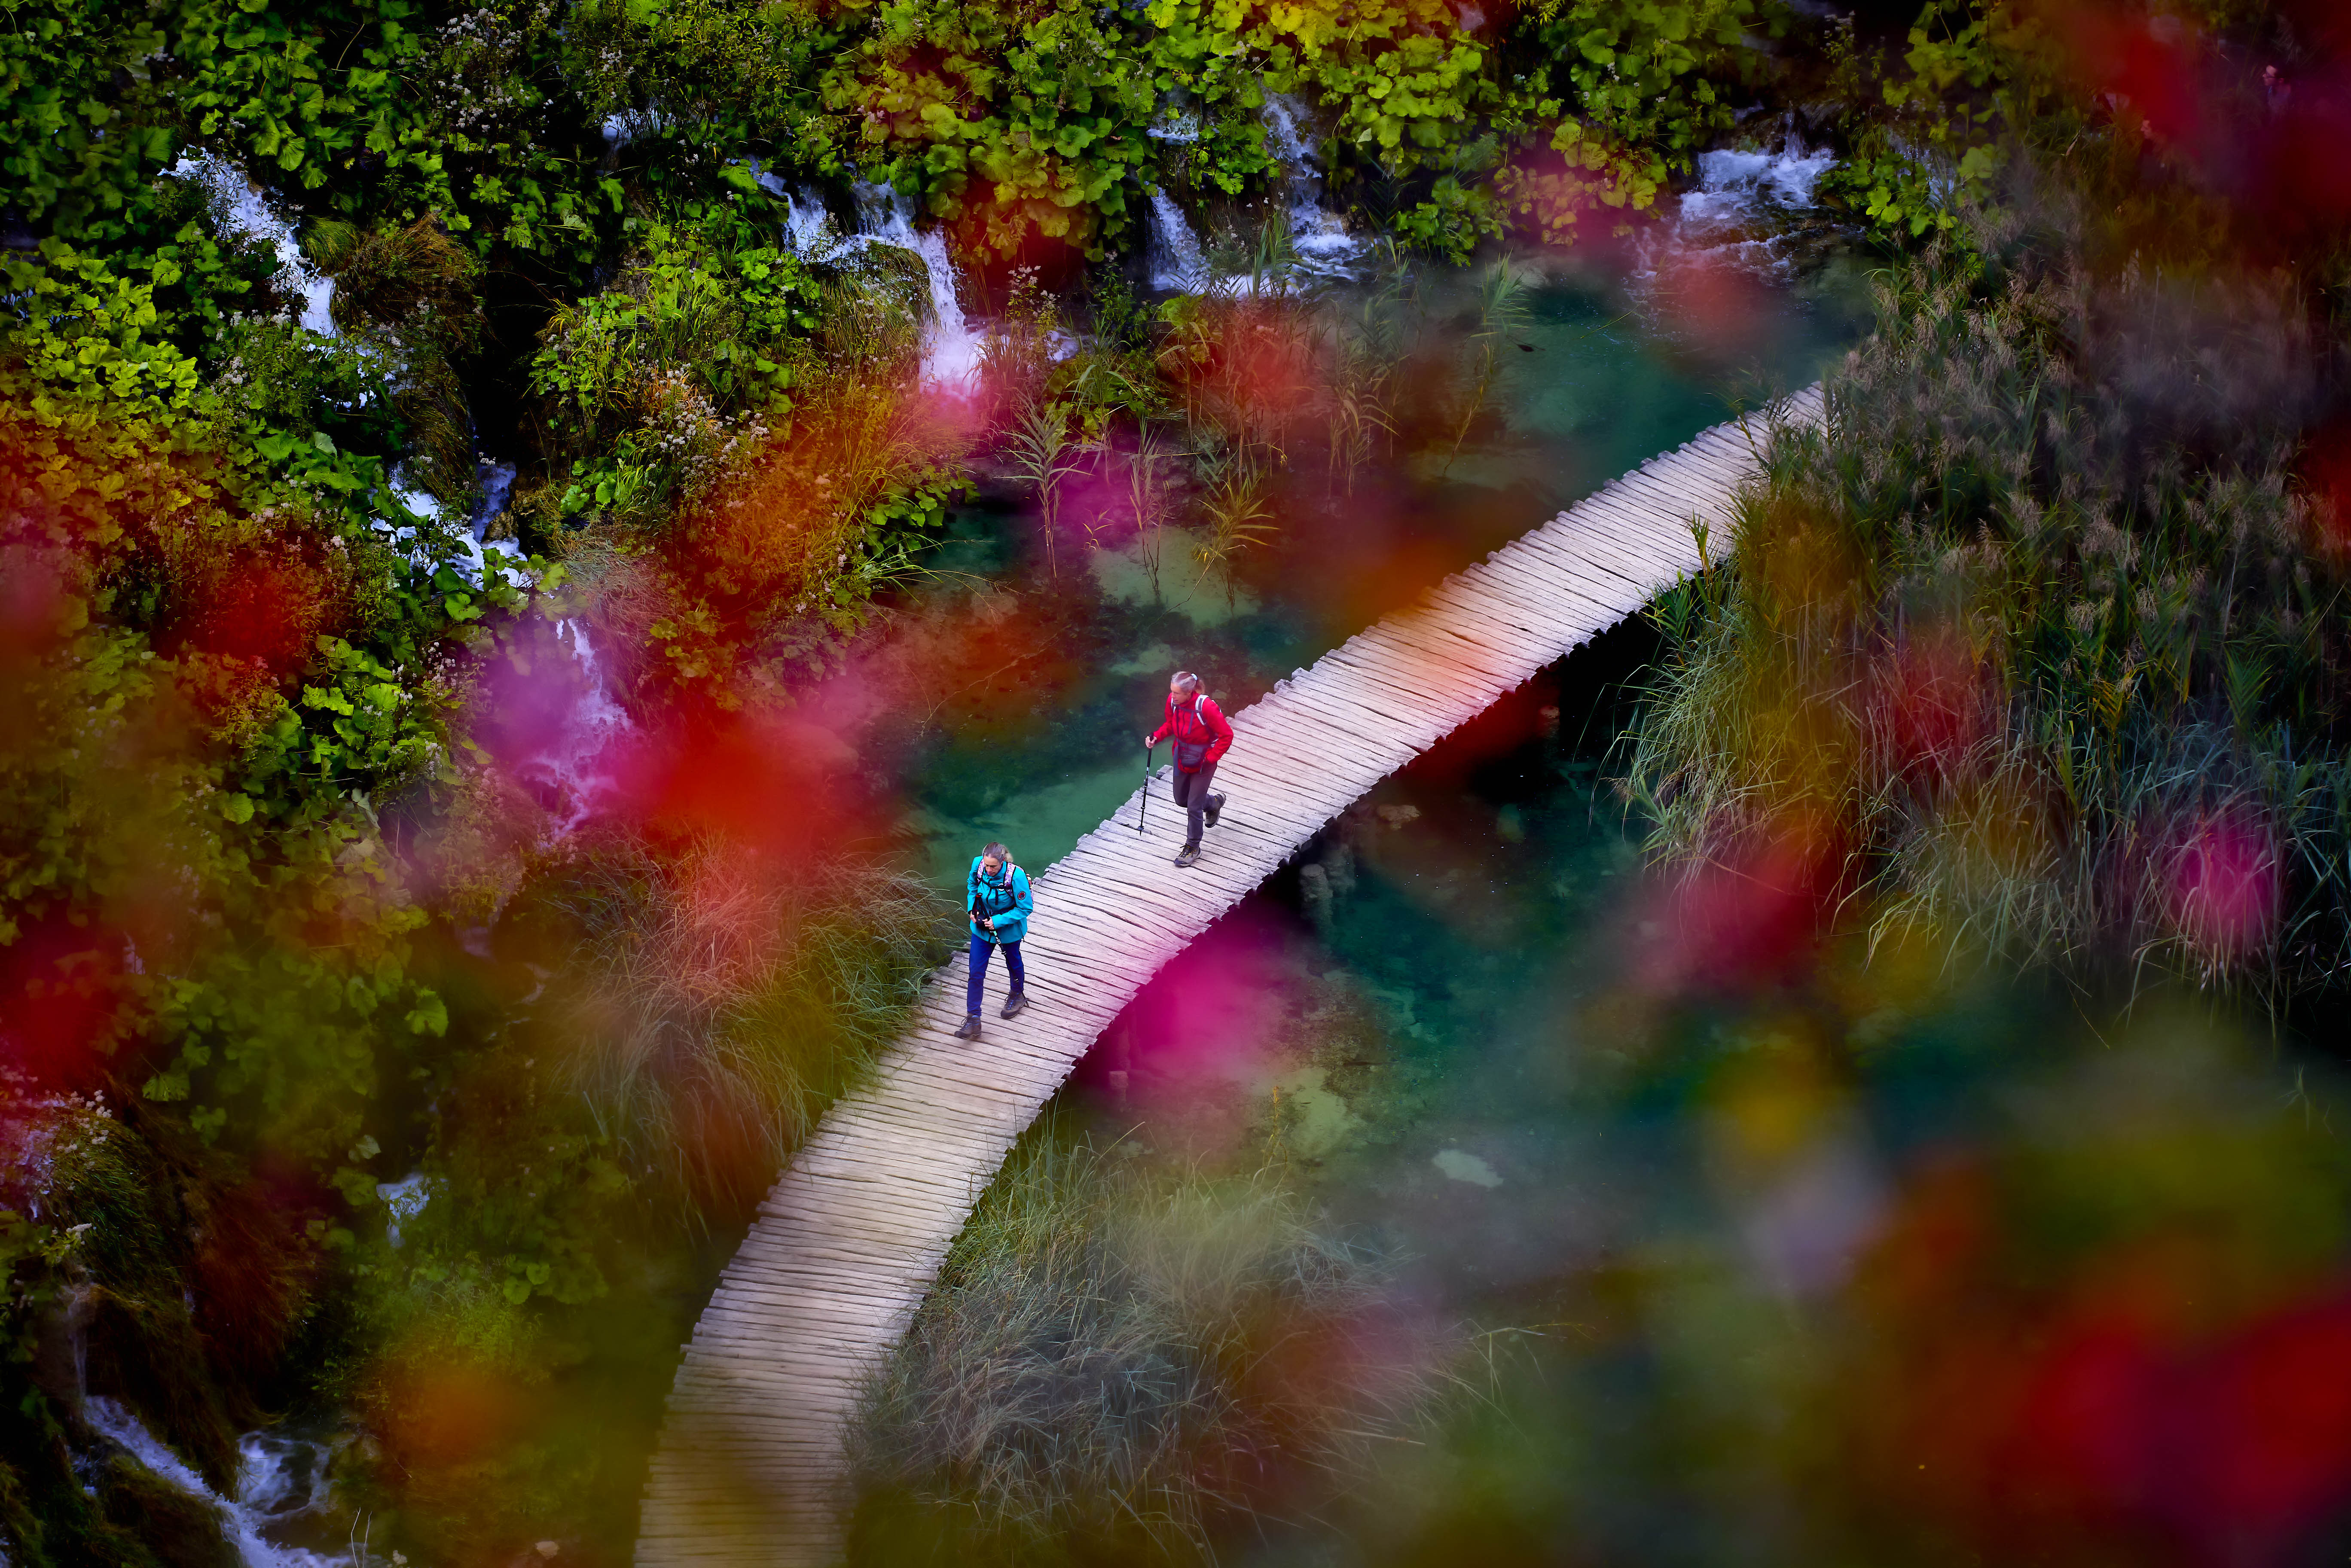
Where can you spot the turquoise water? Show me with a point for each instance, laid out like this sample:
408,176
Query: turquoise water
1584,388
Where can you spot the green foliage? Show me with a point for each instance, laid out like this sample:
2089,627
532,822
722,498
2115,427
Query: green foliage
639,378
1023,119
756,522
98,335
1633,91
1036,121
1983,83
84,131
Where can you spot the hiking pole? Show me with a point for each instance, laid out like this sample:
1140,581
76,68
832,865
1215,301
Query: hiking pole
1144,809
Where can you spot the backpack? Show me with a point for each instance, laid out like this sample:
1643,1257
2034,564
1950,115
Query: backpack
996,901
1190,753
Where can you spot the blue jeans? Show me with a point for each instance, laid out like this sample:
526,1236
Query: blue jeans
980,948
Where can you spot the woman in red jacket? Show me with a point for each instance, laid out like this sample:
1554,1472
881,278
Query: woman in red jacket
1202,736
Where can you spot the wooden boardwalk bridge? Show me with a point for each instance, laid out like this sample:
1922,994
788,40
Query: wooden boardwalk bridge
750,1469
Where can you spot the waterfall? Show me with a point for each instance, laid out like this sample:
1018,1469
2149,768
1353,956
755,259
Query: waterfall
1181,126
1316,233
950,343
572,772
1742,199
811,227
498,485
950,346
1171,248
239,207
406,1199
1734,187
280,1480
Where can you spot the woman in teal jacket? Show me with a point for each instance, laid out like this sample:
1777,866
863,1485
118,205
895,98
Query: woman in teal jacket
996,901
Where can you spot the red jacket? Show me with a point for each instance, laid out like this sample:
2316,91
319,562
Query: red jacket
1197,721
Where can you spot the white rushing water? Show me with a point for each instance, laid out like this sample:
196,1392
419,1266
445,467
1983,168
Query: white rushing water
239,207
497,480
1319,238
1178,125
1734,187
574,774
951,344
1171,249
282,1480
812,227
406,1199
1742,198
1319,235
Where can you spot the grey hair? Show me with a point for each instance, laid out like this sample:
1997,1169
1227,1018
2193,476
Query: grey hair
1186,682
996,853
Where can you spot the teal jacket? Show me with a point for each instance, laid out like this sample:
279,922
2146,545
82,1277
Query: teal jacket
1003,897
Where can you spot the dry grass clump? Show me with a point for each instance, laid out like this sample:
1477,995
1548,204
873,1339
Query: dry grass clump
1121,1361
719,1002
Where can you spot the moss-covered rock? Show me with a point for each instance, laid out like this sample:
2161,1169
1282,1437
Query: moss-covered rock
173,1528
46,1519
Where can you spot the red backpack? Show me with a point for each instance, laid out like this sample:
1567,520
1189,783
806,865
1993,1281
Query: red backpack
1191,747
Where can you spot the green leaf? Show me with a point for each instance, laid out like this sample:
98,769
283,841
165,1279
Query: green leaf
429,1016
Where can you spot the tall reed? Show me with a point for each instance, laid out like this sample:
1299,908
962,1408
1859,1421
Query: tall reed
1121,1361
719,1003
2032,641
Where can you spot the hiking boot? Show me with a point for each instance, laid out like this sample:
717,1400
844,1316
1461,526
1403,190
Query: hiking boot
1014,1004
1215,809
970,1030
1191,852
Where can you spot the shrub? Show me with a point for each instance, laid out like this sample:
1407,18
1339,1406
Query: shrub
2031,642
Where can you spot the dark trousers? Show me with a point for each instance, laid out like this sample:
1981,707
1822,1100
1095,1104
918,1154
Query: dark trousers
1191,792
980,948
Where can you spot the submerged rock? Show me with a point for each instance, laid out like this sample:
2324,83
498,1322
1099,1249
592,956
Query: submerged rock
1458,1165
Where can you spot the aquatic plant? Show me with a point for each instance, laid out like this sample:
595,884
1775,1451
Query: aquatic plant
1501,309
1147,494
1040,452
